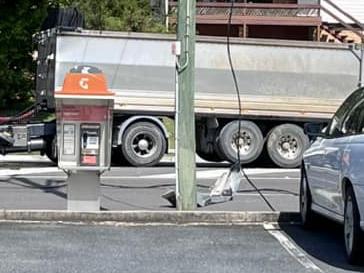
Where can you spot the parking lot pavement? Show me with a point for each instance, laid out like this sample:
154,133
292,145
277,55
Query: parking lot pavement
323,245
88,248
38,184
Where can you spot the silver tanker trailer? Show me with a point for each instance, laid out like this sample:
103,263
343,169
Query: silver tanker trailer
283,84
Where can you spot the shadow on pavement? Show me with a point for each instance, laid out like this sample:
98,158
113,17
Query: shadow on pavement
325,242
50,186
56,187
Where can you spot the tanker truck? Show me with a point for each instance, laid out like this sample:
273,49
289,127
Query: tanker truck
283,84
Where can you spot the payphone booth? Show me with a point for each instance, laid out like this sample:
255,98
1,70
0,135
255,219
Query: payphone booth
84,134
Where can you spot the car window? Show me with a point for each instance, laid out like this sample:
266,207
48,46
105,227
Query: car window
335,127
354,120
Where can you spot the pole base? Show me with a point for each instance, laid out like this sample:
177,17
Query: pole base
83,191
203,199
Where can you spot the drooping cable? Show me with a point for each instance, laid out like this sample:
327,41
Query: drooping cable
237,141
234,78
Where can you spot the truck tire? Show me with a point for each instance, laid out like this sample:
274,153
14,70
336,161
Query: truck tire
143,144
286,144
251,141
51,149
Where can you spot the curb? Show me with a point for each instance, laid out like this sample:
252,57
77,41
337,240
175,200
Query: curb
151,217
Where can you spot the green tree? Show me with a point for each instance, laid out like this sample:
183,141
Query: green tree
119,15
19,20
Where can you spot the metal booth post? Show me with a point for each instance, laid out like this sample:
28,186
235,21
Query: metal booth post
84,134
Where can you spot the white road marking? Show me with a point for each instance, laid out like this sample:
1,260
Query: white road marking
208,174
24,158
132,177
205,174
29,173
198,176
24,171
296,253
216,173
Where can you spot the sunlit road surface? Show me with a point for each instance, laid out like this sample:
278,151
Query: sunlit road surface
38,184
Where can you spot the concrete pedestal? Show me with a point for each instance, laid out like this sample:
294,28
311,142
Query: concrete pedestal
83,191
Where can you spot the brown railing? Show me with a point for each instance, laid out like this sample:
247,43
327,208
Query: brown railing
216,11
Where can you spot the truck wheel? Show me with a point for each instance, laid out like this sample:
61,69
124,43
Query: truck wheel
51,149
250,141
286,144
143,144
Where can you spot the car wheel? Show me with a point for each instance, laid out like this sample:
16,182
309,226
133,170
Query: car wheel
308,216
286,144
250,141
143,144
353,235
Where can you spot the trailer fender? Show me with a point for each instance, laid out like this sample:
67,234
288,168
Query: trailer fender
125,124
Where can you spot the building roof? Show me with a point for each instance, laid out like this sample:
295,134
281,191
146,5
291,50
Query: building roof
353,7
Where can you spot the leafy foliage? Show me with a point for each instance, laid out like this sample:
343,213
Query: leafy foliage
124,15
19,20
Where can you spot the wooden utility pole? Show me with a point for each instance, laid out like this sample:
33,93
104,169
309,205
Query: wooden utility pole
185,116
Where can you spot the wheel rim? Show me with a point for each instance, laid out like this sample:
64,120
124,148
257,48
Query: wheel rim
144,145
244,141
349,225
288,147
304,201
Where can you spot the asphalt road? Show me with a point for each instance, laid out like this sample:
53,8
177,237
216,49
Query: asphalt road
40,185
82,248
37,184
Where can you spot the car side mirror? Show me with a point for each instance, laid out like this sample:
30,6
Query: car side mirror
315,129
